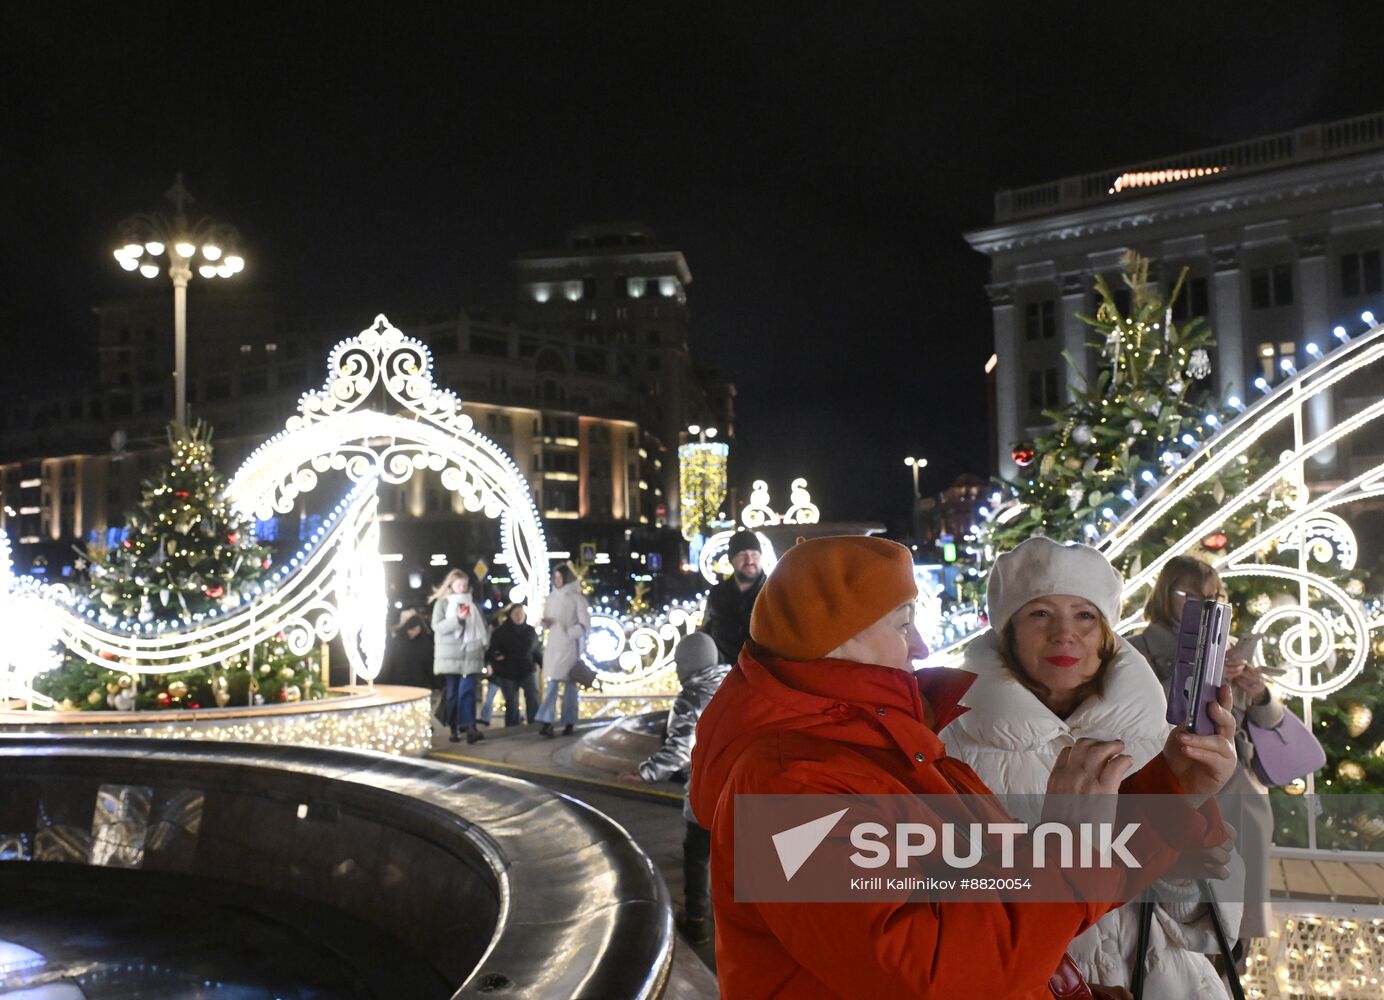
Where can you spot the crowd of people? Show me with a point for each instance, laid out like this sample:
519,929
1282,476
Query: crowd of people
455,648
805,682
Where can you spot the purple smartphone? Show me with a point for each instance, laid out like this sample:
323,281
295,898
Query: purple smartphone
1202,636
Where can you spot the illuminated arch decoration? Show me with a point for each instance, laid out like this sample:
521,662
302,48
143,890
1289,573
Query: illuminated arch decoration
758,513
339,428
636,654
333,587
1316,641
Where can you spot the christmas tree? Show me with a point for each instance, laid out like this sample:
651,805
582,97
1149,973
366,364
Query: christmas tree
186,551
1146,410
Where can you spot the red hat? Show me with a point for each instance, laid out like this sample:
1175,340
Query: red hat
827,590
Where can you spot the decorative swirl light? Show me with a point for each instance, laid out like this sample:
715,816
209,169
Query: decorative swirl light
341,428
625,652
333,586
1313,646
1328,538
757,512
803,511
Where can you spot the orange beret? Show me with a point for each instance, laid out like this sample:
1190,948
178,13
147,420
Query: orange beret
824,591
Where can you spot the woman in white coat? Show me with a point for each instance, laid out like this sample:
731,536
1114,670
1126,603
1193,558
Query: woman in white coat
1051,671
460,636
568,621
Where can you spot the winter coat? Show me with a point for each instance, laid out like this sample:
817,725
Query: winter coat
1012,740
458,646
408,660
831,726
1244,801
726,617
676,753
566,638
514,651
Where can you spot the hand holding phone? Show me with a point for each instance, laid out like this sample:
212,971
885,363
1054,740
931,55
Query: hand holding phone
1202,638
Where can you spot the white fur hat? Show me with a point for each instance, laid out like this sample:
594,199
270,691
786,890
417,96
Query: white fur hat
1039,567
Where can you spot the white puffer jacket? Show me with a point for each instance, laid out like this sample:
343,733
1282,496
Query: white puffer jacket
1012,740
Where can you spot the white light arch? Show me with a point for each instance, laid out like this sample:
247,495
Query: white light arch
341,427
1321,638
379,417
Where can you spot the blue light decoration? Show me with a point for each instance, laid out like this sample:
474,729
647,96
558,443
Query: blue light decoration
321,529
308,526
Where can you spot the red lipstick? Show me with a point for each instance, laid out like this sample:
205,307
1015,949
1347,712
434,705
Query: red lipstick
1063,661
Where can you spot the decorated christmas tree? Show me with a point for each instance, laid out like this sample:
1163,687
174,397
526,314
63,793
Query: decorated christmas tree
1145,411
186,551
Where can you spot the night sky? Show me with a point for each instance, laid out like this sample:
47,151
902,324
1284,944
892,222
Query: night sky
817,165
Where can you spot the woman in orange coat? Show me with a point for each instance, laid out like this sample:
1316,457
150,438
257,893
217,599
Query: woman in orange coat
824,700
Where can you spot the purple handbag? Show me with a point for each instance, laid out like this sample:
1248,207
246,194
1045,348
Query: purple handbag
1285,753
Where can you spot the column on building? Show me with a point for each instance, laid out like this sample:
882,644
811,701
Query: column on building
1076,286
1233,376
1315,299
1008,420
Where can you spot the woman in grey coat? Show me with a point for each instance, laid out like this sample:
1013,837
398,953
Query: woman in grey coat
460,636
1244,801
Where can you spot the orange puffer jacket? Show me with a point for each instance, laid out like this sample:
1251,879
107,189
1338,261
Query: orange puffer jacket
833,726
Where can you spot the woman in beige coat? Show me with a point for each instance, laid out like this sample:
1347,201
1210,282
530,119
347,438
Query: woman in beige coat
1244,801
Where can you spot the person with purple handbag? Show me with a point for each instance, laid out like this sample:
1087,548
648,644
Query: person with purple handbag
1262,727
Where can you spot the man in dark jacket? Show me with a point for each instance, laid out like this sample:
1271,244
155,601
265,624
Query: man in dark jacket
726,617
513,657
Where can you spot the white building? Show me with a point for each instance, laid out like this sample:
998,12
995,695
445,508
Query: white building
1282,235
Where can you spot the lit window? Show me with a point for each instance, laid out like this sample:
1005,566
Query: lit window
1271,357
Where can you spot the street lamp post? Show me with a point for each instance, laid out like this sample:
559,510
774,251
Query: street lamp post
915,464
145,238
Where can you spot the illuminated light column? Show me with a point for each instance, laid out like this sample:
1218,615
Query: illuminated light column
702,484
147,238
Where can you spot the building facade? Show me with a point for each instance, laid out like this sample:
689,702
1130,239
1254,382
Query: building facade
1281,237
621,296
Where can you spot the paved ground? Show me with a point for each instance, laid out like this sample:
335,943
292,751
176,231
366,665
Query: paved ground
584,766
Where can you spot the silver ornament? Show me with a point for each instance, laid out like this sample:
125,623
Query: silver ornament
1199,364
